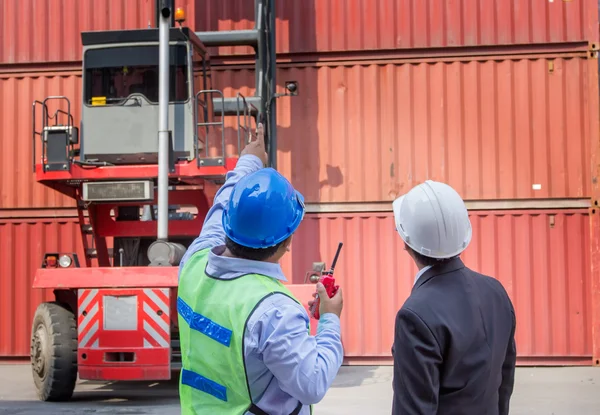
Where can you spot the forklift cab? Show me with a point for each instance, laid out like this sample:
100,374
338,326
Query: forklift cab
120,114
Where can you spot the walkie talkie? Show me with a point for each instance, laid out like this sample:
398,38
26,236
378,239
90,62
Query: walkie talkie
329,282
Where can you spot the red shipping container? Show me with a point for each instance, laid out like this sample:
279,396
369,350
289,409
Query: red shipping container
23,243
502,127
494,129
541,257
18,188
51,33
41,31
310,26
22,247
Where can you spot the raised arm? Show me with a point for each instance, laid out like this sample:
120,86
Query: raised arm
212,233
253,158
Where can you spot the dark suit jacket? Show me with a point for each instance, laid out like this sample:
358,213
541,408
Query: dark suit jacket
454,348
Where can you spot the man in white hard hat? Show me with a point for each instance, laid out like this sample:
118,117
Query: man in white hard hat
454,347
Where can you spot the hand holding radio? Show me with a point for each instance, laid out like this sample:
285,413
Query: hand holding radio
329,292
326,304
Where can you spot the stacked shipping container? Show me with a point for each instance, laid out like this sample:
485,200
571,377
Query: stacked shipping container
499,99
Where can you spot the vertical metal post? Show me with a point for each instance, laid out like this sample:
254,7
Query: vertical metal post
265,73
259,25
157,6
271,75
163,121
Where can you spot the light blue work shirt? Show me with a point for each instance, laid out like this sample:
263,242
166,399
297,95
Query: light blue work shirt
283,362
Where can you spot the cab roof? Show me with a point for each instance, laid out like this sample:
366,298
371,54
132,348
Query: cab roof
141,36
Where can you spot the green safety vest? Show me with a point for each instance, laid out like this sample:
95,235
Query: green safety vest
212,316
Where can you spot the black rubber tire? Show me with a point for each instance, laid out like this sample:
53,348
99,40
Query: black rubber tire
54,352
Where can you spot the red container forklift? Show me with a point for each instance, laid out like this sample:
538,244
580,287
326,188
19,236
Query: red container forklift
150,141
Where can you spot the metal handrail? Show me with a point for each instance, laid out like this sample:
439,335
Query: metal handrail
208,124
245,127
45,123
59,111
33,118
247,116
55,118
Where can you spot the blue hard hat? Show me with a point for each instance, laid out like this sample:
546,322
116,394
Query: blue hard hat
263,210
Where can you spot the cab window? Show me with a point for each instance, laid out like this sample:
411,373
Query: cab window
116,73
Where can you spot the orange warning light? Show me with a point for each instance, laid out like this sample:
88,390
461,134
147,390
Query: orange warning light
179,15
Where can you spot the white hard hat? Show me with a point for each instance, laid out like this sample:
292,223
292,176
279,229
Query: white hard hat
433,220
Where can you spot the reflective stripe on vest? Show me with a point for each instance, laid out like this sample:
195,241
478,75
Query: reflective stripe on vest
212,315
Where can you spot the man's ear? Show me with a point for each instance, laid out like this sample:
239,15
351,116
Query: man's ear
282,249
288,243
409,250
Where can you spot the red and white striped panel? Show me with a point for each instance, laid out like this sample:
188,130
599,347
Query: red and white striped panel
89,317
142,315
156,318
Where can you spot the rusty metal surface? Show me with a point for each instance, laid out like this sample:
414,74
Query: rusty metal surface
495,128
308,26
542,258
594,126
22,245
508,129
18,188
344,207
39,31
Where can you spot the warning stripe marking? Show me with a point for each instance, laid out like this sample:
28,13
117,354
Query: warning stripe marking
163,294
157,301
154,313
156,327
86,300
90,315
154,334
89,334
88,324
156,318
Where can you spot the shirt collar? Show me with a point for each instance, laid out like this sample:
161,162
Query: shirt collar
223,267
421,272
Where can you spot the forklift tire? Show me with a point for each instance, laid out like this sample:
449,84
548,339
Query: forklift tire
54,352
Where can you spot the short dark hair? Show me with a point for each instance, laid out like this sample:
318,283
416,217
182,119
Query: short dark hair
253,254
425,260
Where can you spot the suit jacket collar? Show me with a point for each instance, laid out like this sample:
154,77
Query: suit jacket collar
439,269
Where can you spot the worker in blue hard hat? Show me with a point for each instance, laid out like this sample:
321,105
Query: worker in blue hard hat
245,339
